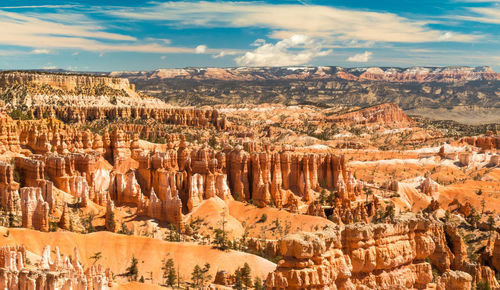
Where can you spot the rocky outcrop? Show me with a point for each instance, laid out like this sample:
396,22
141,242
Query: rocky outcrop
491,142
428,186
35,211
9,196
271,177
62,273
464,158
495,261
9,137
346,212
315,209
378,256
32,174
495,160
65,82
31,170
454,280
385,114
65,222
125,189
223,278
200,118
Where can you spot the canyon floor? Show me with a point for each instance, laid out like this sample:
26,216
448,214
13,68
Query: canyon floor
104,187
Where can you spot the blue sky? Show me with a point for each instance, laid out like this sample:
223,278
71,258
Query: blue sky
138,35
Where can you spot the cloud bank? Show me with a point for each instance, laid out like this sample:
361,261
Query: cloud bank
296,50
289,19
360,57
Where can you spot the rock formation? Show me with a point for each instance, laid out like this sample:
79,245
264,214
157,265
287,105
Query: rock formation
385,113
343,257
428,186
9,196
454,280
63,273
495,261
485,143
65,222
465,158
379,256
110,220
35,211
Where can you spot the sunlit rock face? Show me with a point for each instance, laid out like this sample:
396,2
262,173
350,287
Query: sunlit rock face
57,272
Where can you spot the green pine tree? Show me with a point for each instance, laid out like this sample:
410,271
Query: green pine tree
169,272
132,271
246,275
238,280
197,276
258,285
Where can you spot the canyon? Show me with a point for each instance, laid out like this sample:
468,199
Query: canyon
463,94
119,183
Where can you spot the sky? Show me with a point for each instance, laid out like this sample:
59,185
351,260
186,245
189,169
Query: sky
140,35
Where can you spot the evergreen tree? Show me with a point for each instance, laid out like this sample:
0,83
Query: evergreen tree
96,257
169,272
11,220
212,141
174,235
132,271
197,276
491,226
110,222
447,216
246,275
258,285
221,240
205,276
483,285
368,193
322,197
238,280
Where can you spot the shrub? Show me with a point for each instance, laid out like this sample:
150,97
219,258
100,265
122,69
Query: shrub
263,218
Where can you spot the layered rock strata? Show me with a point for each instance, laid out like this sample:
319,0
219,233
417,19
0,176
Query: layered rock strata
200,118
376,256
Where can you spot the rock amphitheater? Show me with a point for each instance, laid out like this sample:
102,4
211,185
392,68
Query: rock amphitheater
128,178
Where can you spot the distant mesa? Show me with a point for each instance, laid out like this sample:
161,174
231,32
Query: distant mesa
390,74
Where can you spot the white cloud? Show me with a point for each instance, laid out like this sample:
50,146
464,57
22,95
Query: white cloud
360,57
484,14
446,36
224,53
219,55
40,51
39,6
478,1
290,19
50,67
78,32
201,49
296,50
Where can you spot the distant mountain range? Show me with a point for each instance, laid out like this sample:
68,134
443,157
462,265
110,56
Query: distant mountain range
390,74
460,93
